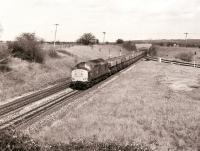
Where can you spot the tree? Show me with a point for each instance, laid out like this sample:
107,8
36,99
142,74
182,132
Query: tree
119,41
86,39
27,47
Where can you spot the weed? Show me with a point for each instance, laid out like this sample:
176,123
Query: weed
52,53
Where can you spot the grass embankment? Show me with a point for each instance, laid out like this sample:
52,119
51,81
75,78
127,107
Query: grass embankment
96,51
25,76
152,104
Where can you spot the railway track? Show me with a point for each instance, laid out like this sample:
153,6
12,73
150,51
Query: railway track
173,62
31,98
36,112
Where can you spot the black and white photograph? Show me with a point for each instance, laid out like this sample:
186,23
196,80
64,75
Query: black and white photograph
99,75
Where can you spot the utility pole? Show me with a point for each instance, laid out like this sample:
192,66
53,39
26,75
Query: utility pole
186,34
104,34
109,53
54,44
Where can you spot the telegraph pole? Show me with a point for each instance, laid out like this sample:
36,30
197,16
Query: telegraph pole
186,34
54,44
104,34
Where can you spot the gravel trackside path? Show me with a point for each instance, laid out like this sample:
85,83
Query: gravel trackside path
153,103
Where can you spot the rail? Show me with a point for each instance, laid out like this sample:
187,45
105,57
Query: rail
173,62
31,98
35,112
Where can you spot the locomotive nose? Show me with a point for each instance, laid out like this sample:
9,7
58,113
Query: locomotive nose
79,75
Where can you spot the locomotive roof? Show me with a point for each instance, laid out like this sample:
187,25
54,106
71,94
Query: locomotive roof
98,61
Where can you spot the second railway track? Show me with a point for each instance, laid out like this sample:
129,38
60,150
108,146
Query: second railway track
31,98
27,116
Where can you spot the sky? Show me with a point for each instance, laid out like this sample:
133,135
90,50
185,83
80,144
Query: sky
126,19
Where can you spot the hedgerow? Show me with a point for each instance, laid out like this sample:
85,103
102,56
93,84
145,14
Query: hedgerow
12,140
27,47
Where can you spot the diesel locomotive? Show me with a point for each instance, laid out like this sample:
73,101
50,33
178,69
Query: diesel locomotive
86,74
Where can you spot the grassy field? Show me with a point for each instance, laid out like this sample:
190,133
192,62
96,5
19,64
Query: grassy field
25,76
154,104
172,52
101,51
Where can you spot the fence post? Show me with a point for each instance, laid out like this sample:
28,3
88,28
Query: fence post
159,60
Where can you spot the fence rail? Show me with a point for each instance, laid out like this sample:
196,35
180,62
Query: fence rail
173,62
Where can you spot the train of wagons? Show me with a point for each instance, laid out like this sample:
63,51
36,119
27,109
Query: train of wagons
86,74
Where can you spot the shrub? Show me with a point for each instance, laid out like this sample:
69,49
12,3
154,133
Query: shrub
52,53
153,51
27,47
185,56
119,41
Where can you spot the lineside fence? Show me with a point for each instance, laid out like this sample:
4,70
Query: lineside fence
158,59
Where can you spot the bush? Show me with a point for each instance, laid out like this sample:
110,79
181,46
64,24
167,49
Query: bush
153,51
185,56
52,53
119,41
27,47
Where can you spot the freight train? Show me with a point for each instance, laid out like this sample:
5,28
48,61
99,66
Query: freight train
86,74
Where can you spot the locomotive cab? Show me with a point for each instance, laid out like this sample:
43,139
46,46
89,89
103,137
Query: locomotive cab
85,74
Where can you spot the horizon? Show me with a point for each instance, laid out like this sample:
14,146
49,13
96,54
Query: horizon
145,40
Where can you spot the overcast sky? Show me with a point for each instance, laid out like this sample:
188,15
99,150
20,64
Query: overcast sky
127,19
